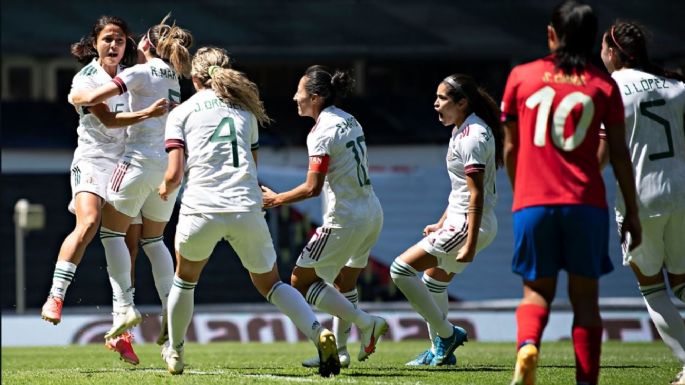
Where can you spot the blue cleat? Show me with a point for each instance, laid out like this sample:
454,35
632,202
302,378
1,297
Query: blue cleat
445,347
426,357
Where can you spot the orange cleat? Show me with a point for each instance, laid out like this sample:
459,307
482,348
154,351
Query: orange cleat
52,310
122,345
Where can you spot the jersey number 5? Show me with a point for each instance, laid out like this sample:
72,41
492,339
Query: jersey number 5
225,132
663,122
543,98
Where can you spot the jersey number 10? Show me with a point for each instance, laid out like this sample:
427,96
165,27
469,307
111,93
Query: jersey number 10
543,98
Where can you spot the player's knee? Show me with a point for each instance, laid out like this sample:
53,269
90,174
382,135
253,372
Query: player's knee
400,269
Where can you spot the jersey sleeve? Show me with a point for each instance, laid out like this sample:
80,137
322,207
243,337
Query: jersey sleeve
509,107
320,144
474,152
254,133
614,111
133,78
174,137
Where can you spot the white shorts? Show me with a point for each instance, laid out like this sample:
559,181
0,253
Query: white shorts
90,175
445,243
132,190
662,245
248,234
329,249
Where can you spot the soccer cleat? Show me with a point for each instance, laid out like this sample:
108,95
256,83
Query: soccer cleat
679,379
173,358
526,363
329,362
369,337
444,347
424,358
123,321
52,310
163,330
123,346
343,356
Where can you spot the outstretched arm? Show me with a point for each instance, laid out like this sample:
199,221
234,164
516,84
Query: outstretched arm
92,97
123,119
310,188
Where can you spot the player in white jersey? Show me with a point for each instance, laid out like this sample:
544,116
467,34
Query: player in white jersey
132,188
468,224
654,102
100,145
352,218
213,138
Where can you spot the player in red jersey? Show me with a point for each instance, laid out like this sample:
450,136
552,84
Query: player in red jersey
552,109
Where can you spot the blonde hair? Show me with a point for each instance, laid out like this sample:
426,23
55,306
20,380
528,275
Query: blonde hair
171,43
231,86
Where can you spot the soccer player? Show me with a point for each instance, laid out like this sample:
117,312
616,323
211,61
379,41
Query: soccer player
468,223
132,188
104,52
552,109
654,102
213,138
352,218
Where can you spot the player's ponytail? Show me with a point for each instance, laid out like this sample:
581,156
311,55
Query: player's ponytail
212,66
171,43
329,85
575,25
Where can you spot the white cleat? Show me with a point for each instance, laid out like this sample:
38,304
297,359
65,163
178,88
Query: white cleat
173,358
369,337
123,321
343,356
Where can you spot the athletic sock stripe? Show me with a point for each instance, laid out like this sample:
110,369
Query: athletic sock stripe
273,290
315,291
184,285
110,234
147,241
401,270
652,289
435,288
67,277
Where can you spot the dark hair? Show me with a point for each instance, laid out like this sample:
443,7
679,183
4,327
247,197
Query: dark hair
461,86
171,43
331,86
629,39
84,49
575,25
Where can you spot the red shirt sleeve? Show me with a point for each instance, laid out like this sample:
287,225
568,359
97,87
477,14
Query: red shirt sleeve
509,107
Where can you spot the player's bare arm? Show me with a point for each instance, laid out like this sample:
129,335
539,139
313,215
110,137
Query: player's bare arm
511,150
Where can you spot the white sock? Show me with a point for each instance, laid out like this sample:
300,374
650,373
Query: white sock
342,328
180,310
420,299
162,266
666,318
61,278
329,300
438,291
118,267
291,303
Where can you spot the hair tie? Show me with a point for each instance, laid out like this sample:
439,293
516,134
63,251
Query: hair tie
212,70
618,45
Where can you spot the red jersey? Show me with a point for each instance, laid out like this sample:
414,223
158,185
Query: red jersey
559,117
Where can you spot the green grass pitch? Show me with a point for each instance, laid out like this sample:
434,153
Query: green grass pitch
279,363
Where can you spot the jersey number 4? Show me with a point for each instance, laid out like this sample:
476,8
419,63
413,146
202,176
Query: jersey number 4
543,98
225,132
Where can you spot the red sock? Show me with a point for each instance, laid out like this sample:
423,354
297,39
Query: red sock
587,343
531,320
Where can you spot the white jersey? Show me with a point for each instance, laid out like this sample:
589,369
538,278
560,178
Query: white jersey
348,197
471,149
220,172
654,109
95,141
146,83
